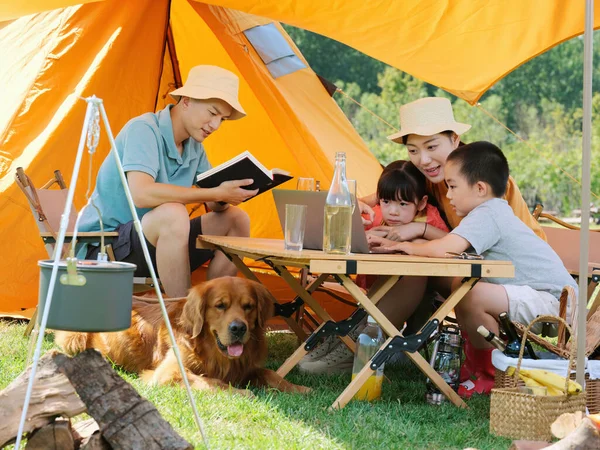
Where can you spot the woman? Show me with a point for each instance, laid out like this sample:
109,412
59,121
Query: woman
430,134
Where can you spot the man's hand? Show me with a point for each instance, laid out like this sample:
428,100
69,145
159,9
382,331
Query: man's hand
366,209
232,192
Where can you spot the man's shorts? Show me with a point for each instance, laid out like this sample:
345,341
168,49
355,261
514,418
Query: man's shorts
128,248
525,304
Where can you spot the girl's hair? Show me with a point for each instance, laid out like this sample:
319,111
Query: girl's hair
401,180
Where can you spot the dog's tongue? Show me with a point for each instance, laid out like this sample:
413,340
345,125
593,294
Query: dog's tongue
235,349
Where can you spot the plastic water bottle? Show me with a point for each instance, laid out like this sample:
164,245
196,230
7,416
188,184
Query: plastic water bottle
367,345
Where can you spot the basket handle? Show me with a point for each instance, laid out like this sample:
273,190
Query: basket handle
524,339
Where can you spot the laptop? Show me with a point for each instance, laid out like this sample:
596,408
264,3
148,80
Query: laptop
315,201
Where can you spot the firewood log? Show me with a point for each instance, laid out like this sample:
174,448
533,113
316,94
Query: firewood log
52,395
126,419
585,437
54,436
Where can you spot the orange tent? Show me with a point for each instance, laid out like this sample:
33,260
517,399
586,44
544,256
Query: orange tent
131,54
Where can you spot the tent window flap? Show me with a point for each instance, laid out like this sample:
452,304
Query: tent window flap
274,50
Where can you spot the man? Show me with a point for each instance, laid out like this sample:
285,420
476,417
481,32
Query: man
162,153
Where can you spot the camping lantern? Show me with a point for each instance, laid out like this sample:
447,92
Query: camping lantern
88,295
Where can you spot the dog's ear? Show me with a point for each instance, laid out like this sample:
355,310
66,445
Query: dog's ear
192,318
264,304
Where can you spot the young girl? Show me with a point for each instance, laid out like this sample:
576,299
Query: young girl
401,199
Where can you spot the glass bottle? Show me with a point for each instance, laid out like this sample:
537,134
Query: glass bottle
491,338
513,346
446,362
368,343
337,226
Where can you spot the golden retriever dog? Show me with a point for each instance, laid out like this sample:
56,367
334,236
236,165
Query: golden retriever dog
220,332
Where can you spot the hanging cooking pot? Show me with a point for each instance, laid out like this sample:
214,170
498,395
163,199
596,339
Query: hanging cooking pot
88,295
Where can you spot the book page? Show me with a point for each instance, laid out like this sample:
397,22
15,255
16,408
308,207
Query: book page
232,161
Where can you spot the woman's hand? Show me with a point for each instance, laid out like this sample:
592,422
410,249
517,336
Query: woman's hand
382,245
400,233
366,209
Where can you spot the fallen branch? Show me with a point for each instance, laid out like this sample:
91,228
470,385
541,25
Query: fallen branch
52,395
126,419
585,437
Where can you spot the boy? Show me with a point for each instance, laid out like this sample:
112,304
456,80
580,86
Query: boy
477,176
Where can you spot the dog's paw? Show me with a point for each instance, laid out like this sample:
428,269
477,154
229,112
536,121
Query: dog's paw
244,392
302,389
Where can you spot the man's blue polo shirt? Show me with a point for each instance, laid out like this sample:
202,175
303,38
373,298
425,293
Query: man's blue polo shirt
145,144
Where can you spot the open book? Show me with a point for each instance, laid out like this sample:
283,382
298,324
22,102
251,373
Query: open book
240,167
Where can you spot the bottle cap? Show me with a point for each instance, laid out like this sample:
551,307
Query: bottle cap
483,331
371,320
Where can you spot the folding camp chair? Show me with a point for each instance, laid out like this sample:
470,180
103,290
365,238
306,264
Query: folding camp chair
47,206
564,239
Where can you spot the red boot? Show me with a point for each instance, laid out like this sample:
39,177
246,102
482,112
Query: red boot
484,375
467,370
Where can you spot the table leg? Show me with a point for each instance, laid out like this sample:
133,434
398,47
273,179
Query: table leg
378,290
392,331
295,357
309,300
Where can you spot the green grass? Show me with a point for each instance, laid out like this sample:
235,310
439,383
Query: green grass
272,420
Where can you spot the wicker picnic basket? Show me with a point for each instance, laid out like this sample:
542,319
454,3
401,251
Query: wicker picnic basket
562,349
518,415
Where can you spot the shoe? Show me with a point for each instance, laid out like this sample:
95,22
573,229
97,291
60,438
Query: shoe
339,360
482,385
322,349
467,370
482,382
331,342
484,362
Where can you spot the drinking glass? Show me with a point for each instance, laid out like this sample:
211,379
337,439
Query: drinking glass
352,189
306,184
295,225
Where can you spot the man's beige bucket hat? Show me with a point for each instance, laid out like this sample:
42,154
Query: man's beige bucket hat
204,82
426,117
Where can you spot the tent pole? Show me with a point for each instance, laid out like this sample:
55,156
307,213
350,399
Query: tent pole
588,45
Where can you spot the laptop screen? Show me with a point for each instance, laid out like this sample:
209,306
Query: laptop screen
315,202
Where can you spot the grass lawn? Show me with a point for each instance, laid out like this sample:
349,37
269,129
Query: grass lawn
271,420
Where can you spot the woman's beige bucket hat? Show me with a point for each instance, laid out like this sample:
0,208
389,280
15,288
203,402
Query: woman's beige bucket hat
204,82
426,117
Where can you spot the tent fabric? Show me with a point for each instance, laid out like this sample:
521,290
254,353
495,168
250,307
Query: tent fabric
421,37
118,51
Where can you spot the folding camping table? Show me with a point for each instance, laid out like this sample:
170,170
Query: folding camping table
389,267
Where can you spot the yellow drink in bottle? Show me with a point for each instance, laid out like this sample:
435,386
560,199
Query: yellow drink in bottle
367,344
337,229
371,390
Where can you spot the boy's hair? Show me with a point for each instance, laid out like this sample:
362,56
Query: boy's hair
482,161
401,180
